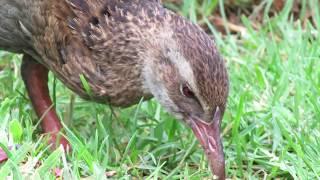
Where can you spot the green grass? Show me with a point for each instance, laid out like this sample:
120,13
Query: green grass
271,127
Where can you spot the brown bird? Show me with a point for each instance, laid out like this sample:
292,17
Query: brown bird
125,50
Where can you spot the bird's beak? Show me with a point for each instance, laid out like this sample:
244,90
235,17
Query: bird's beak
208,135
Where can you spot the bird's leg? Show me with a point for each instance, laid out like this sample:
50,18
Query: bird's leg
35,77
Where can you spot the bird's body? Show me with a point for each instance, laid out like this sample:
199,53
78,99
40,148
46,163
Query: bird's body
67,38
125,50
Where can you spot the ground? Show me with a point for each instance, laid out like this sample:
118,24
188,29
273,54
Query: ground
271,128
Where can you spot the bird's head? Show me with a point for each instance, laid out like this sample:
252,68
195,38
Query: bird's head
186,74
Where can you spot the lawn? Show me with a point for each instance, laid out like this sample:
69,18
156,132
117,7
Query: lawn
271,128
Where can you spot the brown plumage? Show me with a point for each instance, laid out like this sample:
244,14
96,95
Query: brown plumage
126,50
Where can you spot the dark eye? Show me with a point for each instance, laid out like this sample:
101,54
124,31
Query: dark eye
186,91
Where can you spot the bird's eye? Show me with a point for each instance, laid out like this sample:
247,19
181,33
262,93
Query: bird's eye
186,91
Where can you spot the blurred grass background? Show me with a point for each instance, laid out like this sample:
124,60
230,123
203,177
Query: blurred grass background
271,128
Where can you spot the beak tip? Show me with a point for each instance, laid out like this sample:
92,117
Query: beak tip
217,164
219,170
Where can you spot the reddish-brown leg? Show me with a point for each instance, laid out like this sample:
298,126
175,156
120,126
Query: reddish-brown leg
35,77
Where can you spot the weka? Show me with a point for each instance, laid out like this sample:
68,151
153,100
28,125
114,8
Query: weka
125,50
